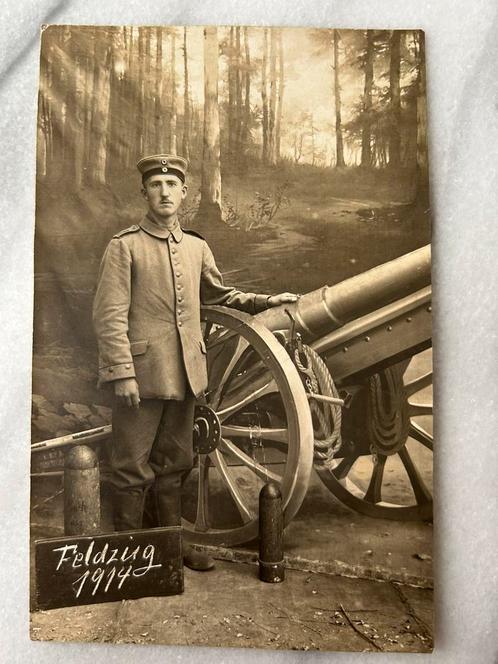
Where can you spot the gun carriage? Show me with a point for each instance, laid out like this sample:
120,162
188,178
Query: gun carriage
329,383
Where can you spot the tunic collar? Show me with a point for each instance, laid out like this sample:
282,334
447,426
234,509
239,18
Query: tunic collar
153,228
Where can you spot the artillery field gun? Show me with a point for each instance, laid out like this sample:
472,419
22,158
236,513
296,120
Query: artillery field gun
326,383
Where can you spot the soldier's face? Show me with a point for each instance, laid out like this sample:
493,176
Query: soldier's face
164,194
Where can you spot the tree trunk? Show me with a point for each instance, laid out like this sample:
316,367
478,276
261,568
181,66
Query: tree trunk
210,204
298,145
339,143
280,98
264,95
312,141
394,92
231,96
90,74
158,110
238,97
42,136
273,96
43,126
247,97
172,116
58,102
100,114
116,122
186,101
130,93
366,152
140,85
422,170
148,124
69,52
79,122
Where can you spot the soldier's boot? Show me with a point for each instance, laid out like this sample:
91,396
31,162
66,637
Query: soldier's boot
167,492
128,507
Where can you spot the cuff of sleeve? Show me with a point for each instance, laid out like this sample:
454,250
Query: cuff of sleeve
260,303
116,372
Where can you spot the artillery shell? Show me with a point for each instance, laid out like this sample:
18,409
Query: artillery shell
271,528
81,492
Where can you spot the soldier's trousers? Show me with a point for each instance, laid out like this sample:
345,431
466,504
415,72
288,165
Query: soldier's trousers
153,440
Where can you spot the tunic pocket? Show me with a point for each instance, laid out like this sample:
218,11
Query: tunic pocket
138,347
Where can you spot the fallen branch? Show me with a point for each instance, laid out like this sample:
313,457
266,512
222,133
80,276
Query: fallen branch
47,500
251,620
298,621
358,631
411,612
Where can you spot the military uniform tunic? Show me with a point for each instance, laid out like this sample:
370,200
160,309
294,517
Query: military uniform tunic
146,312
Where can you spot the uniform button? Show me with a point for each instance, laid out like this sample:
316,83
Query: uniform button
179,323
178,274
164,162
180,299
180,312
173,251
171,238
110,370
128,366
178,287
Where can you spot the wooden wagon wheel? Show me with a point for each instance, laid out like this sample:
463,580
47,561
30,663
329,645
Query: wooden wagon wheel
391,478
255,426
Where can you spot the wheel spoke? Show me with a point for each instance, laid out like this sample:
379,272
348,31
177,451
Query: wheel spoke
222,467
417,433
201,519
418,409
207,331
345,465
374,491
240,347
246,377
280,435
422,493
267,388
221,336
418,384
261,471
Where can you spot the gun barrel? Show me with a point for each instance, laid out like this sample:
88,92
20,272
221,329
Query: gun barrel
330,307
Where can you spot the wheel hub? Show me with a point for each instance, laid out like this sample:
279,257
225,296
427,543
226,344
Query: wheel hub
207,430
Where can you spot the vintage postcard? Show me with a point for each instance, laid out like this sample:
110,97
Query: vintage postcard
232,366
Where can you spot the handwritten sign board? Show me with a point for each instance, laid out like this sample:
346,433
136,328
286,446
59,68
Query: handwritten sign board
108,568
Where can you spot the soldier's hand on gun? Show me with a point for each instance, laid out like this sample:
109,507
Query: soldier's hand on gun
127,392
282,298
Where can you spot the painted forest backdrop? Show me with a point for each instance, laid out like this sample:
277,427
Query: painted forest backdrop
307,147
109,95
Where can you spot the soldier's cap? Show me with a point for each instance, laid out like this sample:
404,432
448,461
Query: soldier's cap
159,164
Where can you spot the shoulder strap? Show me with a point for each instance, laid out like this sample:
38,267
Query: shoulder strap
125,231
191,232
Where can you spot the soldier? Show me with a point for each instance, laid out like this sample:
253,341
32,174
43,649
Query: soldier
153,278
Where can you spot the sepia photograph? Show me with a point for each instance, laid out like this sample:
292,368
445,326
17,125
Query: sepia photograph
232,436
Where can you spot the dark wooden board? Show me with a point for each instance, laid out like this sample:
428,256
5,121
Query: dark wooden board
108,568
48,460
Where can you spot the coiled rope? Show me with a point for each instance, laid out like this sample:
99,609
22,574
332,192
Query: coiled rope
327,417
